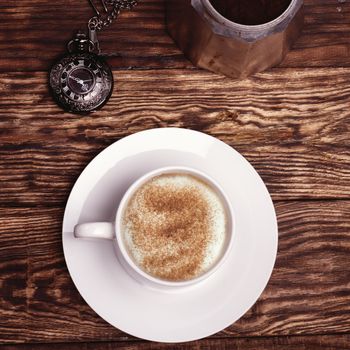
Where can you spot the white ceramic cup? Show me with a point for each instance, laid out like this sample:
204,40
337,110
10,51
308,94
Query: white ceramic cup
110,230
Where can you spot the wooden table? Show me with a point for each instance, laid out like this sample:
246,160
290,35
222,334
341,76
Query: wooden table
291,122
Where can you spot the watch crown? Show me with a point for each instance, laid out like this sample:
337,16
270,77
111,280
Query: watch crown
80,43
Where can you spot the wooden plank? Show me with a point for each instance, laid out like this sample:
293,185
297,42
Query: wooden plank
318,342
34,33
309,292
292,125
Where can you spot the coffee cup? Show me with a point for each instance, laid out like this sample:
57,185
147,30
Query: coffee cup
174,227
237,38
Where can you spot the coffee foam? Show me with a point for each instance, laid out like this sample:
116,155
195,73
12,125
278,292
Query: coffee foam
175,227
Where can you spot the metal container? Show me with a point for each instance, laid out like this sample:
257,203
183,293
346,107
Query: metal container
218,44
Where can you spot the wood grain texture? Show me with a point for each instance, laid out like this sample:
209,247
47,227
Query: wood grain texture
293,125
324,342
34,33
309,292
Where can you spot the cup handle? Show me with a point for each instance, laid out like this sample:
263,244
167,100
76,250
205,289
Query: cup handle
104,230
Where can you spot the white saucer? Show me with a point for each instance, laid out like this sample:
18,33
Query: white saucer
194,312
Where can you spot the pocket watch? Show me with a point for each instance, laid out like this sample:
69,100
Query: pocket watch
81,81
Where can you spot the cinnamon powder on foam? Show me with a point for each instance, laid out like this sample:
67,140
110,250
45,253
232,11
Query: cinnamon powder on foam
167,228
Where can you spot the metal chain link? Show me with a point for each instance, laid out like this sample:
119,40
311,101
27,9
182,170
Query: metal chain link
99,21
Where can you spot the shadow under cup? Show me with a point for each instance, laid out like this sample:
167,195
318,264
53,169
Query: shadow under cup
250,12
126,257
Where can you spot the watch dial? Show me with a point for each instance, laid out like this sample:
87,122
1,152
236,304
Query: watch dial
81,80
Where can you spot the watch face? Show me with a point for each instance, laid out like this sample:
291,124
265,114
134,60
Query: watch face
81,82
81,79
